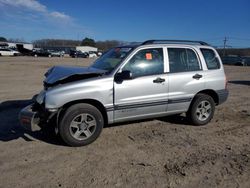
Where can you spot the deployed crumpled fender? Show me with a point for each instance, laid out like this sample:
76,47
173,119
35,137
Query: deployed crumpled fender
64,74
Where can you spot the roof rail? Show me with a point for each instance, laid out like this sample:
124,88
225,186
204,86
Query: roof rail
174,41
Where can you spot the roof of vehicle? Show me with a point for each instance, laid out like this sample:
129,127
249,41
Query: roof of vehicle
128,46
175,42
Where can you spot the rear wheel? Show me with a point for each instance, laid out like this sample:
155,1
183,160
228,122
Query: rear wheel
81,125
201,110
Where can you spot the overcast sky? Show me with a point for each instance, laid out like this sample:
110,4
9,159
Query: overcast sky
130,20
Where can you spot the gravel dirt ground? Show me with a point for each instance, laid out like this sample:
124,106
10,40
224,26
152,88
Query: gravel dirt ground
164,152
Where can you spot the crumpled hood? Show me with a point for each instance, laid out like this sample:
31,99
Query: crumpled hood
64,74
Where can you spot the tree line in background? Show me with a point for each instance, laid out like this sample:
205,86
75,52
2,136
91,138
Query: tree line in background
47,43
101,45
234,51
105,45
3,39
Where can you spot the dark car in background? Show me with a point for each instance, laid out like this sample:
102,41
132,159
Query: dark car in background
233,60
41,53
76,53
246,60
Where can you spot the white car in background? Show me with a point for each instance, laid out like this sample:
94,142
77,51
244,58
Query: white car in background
92,54
8,52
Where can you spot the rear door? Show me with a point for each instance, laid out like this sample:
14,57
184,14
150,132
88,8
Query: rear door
186,77
146,94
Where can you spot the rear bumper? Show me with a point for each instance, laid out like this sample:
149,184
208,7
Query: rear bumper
223,95
29,119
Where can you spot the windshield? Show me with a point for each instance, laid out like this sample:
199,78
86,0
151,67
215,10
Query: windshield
112,58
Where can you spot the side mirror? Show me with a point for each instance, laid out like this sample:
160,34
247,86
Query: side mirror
124,75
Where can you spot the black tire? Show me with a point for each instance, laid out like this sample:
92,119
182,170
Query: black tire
74,115
201,110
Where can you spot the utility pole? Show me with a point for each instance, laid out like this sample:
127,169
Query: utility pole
224,49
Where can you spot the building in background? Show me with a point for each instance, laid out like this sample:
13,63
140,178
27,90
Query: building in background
16,45
86,49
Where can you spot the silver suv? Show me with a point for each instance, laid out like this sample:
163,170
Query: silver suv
156,78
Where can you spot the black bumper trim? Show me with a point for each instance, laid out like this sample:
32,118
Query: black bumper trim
222,95
29,119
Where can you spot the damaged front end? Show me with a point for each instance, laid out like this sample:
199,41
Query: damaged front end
65,74
36,115
29,119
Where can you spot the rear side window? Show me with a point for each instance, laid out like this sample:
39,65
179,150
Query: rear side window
183,60
211,59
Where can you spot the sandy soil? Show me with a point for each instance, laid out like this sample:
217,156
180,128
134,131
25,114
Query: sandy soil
165,152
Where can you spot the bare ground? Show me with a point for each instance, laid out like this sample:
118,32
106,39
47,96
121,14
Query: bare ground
164,152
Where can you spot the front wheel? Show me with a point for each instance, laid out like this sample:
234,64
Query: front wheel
81,125
201,110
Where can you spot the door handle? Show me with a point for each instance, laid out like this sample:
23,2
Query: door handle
197,76
159,80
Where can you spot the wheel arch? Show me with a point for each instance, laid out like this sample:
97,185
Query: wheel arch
93,102
211,93
196,101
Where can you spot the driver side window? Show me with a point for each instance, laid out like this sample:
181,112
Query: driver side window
146,62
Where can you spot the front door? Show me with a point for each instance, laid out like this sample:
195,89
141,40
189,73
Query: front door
146,94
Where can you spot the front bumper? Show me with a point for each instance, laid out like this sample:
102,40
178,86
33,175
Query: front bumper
29,119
